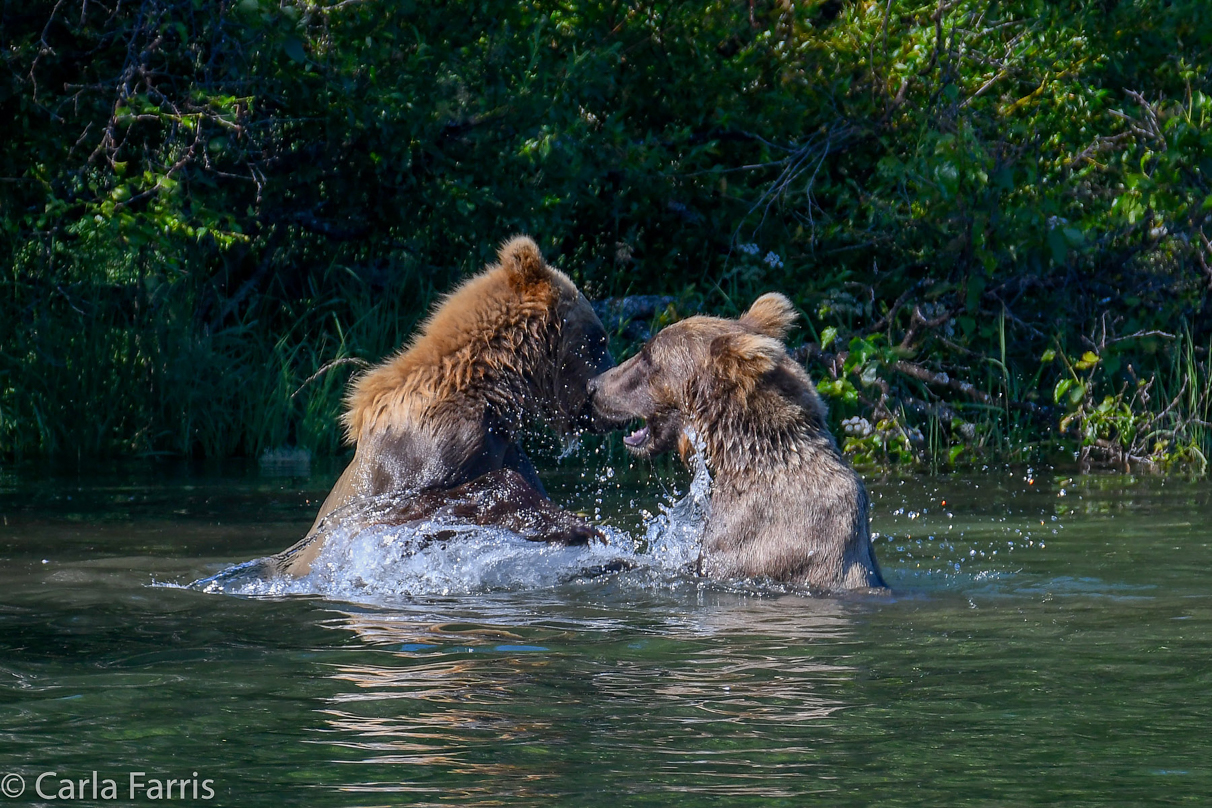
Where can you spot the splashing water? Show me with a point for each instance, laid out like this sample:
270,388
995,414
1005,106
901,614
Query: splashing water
569,445
429,558
674,537
438,558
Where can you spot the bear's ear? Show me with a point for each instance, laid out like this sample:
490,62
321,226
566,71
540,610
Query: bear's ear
743,358
771,314
520,257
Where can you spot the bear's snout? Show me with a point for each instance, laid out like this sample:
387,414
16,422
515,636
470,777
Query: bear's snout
602,417
605,402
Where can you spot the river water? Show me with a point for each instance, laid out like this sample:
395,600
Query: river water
1048,642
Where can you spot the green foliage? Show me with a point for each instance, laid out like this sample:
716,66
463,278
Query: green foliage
202,204
1122,428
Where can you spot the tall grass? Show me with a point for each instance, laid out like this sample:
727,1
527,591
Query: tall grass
1143,409
1190,421
120,355
90,369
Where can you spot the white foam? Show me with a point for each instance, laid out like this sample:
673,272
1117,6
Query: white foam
441,559
674,537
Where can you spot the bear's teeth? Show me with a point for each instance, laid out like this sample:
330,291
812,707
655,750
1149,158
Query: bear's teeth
637,438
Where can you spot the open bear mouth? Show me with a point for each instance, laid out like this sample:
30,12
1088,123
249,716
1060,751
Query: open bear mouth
638,438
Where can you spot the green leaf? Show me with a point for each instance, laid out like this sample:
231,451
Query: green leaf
1058,246
293,47
1049,355
1062,387
1089,359
830,389
976,287
828,336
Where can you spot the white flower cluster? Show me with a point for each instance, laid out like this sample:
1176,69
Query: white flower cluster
774,260
749,249
857,427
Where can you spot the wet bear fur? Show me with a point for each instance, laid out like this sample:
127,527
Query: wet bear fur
785,504
514,344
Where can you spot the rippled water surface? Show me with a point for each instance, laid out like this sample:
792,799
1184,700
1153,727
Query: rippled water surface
1048,643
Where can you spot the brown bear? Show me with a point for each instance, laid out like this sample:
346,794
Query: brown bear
515,343
785,504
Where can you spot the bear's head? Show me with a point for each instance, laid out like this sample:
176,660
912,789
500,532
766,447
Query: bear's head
518,335
578,347
698,372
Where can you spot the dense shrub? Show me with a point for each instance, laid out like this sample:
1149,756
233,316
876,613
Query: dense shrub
995,214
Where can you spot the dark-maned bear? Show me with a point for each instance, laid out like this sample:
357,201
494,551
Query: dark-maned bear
785,504
515,343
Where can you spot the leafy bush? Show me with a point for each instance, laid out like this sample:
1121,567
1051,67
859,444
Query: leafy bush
205,203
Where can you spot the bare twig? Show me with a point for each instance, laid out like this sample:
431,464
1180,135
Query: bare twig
43,49
1173,403
337,6
1202,259
75,308
810,351
922,374
1140,334
919,321
1116,452
810,154
1101,143
984,87
938,39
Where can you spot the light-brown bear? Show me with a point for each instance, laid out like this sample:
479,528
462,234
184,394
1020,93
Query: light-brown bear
516,343
785,504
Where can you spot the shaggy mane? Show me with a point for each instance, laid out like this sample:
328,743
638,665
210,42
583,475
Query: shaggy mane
475,333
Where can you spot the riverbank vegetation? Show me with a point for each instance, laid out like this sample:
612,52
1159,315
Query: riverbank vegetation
994,215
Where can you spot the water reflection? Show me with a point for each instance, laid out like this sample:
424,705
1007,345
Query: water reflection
534,698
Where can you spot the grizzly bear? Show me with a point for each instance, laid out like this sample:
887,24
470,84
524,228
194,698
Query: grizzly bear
515,343
784,503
